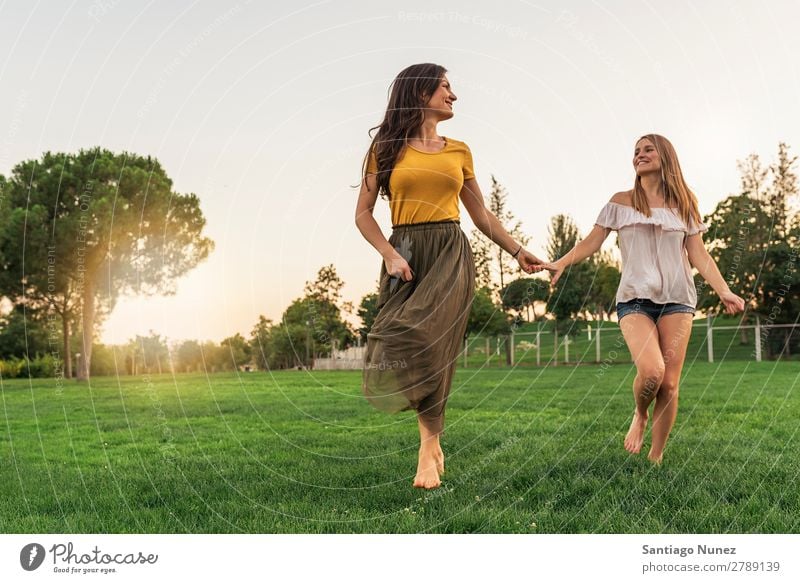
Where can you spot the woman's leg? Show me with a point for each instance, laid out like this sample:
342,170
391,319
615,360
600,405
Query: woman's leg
673,332
430,416
430,455
641,335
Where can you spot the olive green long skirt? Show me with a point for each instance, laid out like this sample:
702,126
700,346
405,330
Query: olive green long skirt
418,332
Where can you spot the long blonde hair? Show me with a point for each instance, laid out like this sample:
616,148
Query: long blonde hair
676,192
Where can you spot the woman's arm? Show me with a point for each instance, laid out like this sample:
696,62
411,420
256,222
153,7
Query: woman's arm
396,265
701,260
584,248
489,225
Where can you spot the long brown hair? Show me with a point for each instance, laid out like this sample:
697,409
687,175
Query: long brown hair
676,192
404,115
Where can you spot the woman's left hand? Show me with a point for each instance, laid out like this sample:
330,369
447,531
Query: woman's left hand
529,262
733,303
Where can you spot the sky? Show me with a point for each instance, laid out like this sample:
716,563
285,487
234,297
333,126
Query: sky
262,110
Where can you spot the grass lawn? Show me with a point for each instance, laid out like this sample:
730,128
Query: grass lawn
528,451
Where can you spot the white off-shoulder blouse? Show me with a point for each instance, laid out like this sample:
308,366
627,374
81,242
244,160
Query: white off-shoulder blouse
654,261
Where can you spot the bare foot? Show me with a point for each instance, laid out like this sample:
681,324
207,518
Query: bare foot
439,456
656,460
427,472
635,437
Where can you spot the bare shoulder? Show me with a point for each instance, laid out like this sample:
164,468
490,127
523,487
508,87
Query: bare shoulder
625,197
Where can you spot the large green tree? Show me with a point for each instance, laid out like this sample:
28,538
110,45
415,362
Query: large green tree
84,228
320,311
310,326
754,237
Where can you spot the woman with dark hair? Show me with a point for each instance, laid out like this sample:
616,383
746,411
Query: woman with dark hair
659,226
427,277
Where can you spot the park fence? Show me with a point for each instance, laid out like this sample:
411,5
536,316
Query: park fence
601,342
351,358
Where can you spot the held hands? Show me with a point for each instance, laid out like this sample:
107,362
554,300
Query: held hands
397,266
556,269
532,264
528,262
733,303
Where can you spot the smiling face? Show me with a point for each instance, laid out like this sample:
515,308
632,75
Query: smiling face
645,157
440,103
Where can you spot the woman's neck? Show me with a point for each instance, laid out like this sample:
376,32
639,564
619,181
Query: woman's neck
427,132
651,184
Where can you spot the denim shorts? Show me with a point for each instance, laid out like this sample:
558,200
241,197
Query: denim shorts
650,308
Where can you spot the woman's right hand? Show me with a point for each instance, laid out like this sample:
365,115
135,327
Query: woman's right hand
396,266
733,303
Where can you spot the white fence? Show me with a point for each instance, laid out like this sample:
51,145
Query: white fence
596,344
349,359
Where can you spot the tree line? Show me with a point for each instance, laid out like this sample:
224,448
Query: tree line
79,230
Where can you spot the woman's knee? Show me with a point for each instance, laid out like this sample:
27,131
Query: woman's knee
652,374
669,387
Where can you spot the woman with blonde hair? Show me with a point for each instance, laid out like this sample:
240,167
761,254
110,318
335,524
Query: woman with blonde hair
427,277
659,226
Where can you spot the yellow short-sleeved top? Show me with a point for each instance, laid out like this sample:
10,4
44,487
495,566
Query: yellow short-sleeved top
424,186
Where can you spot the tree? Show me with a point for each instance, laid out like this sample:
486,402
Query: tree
782,190
494,267
85,228
738,241
572,292
488,318
485,317
23,333
563,235
152,353
521,294
606,277
327,287
323,321
104,360
34,281
281,346
753,174
215,357
290,344
261,343
236,352
482,255
754,236
189,356
781,293
367,311
308,327
319,312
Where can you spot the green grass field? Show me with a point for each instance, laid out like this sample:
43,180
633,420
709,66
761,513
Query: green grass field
537,450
